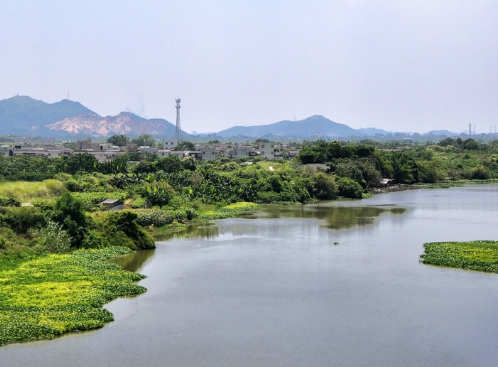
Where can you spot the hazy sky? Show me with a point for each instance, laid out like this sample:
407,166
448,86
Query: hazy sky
395,65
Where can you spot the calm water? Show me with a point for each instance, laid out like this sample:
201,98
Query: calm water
336,284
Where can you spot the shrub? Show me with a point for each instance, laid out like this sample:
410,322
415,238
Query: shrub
156,217
20,220
10,201
191,213
157,193
54,238
180,215
479,173
68,212
120,227
349,189
324,187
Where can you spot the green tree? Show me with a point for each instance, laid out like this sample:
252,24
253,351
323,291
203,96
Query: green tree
79,162
348,188
119,140
169,164
189,163
144,140
324,187
470,144
185,145
405,169
68,211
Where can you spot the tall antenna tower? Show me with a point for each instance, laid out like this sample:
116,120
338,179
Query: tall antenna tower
178,134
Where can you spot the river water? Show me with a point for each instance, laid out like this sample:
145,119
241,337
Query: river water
334,284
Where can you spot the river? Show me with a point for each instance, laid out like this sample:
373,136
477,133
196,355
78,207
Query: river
331,284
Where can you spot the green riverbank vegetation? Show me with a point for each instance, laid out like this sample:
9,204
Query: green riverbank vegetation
473,255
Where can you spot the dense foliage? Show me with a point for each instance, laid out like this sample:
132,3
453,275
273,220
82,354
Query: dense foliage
37,296
474,255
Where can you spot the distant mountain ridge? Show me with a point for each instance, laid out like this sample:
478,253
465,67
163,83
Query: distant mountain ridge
312,127
23,115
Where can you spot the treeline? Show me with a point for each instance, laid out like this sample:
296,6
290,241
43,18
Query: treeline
450,159
158,191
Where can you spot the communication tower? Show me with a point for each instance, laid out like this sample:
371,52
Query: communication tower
178,134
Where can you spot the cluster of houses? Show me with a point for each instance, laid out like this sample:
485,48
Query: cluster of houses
107,151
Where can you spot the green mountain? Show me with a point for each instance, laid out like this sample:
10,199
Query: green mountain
23,115
313,127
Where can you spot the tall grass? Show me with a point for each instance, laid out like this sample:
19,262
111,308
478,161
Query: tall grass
28,191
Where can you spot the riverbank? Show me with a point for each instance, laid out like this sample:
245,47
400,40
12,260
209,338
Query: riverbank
203,218
43,296
47,296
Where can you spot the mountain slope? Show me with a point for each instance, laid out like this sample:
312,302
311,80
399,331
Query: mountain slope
124,123
24,115
313,127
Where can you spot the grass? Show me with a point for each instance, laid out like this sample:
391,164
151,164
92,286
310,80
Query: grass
228,211
473,255
44,297
27,191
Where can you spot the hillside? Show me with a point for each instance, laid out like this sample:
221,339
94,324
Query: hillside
21,115
313,127
123,123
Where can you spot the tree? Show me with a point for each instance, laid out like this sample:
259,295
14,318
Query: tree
120,140
68,212
470,144
144,140
189,163
185,145
79,162
405,169
169,164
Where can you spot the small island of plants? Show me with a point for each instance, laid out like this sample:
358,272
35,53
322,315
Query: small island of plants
473,255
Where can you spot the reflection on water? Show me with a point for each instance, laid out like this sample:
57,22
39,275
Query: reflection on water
134,261
334,217
205,231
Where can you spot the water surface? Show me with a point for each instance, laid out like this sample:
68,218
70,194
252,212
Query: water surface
335,284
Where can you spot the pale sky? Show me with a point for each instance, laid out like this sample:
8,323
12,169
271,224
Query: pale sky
395,65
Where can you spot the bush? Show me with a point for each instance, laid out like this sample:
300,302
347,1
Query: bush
480,173
120,227
156,217
180,215
191,213
54,238
324,187
68,212
157,193
20,220
349,189
10,201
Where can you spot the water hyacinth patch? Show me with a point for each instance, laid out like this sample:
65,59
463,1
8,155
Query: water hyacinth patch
473,255
47,296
